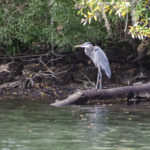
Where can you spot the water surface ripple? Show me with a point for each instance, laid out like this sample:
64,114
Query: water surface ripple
38,126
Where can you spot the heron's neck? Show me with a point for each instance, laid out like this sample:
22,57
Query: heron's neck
88,51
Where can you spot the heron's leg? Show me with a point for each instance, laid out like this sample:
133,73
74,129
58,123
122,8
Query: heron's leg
100,78
97,84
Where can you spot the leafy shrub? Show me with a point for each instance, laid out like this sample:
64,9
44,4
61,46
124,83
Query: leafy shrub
136,14
36,23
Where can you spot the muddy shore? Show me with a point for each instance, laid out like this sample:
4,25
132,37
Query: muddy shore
42,78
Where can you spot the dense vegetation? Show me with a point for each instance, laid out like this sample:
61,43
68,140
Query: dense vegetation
48,24
135,14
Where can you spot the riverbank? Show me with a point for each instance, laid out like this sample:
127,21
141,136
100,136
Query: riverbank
55,77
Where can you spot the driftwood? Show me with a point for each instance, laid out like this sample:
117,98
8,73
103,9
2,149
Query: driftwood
10,85
83,96
10,70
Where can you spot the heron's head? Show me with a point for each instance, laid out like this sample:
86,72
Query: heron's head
85,45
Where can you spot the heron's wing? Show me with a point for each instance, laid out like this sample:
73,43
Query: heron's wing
101,60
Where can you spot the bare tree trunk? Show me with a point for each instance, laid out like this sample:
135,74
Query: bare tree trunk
52,38
133,11
106,20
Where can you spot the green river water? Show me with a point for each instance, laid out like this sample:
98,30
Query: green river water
39,126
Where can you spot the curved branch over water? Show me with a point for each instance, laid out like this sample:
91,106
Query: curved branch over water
83,96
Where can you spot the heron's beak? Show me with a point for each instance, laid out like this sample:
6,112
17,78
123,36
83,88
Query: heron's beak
78,45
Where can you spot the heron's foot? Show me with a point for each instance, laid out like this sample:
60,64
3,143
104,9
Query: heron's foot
98,88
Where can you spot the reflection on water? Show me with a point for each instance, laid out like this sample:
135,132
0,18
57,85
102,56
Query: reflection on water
37,126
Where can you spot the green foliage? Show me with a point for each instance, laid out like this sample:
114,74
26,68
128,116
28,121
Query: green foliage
23,22
33,23
138,11
141,28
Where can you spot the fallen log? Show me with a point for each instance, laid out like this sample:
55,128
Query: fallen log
83,96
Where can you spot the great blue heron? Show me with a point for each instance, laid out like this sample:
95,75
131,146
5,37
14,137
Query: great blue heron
100,60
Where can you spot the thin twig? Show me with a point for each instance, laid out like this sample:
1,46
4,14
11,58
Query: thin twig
88,79
46,74
47,68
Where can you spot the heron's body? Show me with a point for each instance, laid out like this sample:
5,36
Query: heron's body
100,60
